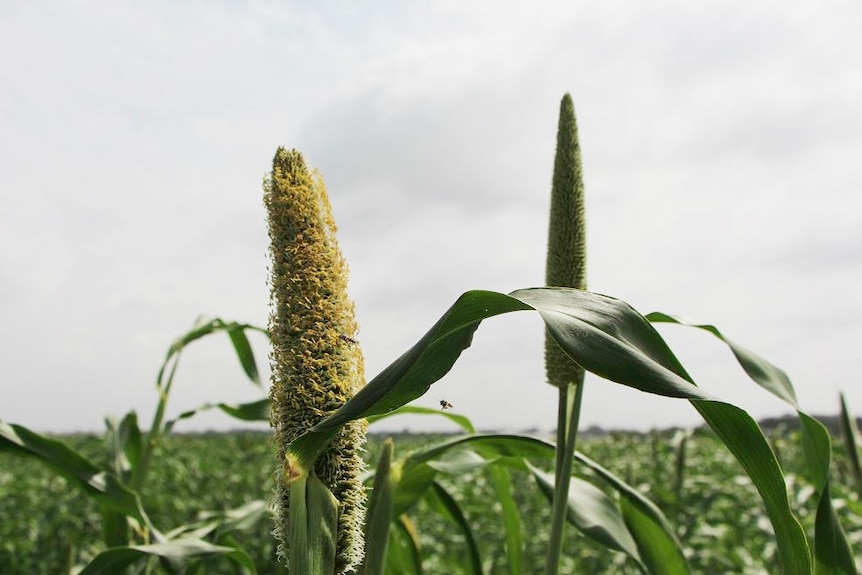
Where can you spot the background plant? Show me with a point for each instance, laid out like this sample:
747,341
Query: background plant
722,526
118,480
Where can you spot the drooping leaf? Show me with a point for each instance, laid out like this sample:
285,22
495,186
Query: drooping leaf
442,502
658,546
236,332
461,421
745,440
252,411
768,376
244,353
104,487
413,484
179,551
405,550
593,513
605,336
219,523
831,546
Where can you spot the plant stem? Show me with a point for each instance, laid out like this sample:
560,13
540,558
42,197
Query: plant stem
568,418
155,432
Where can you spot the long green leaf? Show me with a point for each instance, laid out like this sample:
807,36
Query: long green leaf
831,546
657,544
605,336
220,523
832,550
420,467
252,411
593,514
116,559
461,421
405,555
768,376
850,431
412,374
236,332
744,438
442,501
629,335
243,350
104,487
502,481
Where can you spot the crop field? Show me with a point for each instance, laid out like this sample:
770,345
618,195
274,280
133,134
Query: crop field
46,527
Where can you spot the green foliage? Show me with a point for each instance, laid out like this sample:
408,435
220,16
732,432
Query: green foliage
118,483
850,432
720,524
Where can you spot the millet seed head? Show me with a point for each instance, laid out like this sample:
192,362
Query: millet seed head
316,363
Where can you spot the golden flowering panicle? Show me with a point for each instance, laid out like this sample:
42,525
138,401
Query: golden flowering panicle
316,363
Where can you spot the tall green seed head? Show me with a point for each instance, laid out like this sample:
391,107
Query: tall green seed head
567,253
316,363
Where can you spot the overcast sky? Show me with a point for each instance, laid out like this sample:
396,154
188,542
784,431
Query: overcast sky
721,145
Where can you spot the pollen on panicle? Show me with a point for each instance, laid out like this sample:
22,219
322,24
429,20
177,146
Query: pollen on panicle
314,370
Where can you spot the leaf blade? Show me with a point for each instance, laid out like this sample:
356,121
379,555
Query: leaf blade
102,486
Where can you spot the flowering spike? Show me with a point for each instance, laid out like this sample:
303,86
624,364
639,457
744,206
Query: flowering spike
316,363
566,262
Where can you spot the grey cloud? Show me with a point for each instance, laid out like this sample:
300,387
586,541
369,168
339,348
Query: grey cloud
720,160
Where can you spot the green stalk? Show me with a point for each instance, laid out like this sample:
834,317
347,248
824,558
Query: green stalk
568,419
565,267
850,432
139,474
679,469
